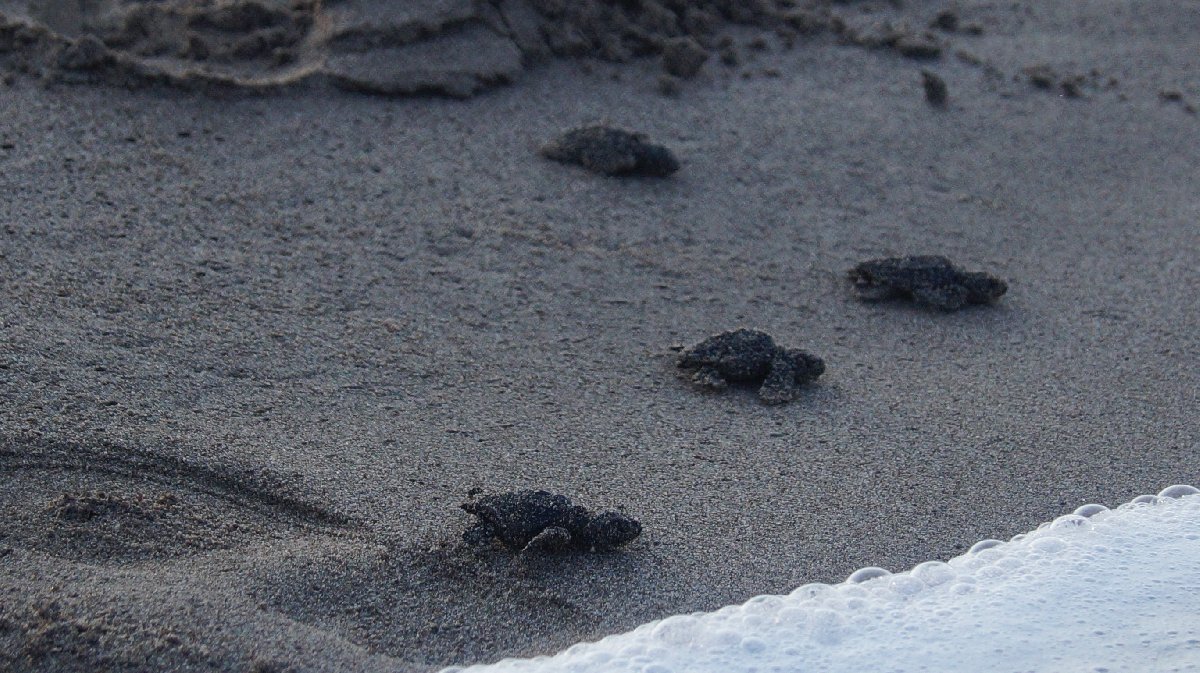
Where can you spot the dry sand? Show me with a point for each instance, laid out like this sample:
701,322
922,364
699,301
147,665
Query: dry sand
258,347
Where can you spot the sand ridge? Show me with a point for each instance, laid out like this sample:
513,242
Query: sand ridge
449,47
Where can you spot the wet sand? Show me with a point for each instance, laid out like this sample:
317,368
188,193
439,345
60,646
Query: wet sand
284,334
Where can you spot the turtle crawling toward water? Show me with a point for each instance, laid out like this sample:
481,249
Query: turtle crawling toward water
611,151
927,279
540,521
749,356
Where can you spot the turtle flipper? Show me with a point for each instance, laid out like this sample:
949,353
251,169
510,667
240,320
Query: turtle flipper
710,378
553,539
780,386
946,297
480,534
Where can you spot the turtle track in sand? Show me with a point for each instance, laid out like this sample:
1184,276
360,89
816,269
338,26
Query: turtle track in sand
108,504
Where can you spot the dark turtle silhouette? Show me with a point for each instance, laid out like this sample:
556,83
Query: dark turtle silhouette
749,356
611,151
529,520
928,279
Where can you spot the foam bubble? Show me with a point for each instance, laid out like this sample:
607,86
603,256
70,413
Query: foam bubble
1178,491
1090,510
864,574
1094,590
984,544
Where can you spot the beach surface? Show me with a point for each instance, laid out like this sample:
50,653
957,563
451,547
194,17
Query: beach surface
258,345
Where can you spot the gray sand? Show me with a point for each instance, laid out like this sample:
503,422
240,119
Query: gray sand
285,335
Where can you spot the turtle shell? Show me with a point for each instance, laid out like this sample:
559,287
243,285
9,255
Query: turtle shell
517,517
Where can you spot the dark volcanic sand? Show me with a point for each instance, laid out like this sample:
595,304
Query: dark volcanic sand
285,336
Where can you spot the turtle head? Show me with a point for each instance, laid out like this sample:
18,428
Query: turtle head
982,287
612,529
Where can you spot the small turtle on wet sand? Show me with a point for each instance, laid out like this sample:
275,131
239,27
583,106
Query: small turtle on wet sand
749,356
928,279
611,151
540,521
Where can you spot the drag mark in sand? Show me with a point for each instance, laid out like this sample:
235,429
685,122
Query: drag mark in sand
446,602
103,503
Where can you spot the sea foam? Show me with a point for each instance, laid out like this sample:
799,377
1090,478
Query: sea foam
1096,590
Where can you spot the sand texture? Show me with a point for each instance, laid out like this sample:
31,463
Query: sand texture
258,346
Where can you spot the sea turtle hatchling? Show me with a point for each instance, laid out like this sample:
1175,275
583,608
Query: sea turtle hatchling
540,521
928,279
611,151
749,356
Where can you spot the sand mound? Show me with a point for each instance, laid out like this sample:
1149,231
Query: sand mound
392,47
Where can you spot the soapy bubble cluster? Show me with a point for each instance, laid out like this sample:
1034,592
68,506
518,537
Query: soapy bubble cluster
1094,590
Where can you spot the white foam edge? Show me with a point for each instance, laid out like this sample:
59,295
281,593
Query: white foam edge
1096,590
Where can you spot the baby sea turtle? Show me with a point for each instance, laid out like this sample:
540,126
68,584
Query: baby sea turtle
541,521
749,356
928,279
611,151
